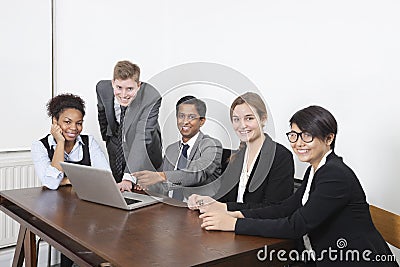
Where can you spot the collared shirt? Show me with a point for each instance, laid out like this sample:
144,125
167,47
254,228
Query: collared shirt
117,109
51,176
245,174
311,177
191,144
306,239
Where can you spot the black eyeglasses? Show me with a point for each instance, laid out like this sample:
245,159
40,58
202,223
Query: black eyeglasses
294,136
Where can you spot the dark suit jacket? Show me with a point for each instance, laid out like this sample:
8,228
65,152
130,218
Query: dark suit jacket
336,209
270,181
141,133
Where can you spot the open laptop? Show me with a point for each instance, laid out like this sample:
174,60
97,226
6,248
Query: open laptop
99,186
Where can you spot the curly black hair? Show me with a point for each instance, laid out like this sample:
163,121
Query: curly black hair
57,104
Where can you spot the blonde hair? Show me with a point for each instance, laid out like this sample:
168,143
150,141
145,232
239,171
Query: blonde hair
253,100
125,69
256,103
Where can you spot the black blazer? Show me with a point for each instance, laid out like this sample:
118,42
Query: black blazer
270,181
336,209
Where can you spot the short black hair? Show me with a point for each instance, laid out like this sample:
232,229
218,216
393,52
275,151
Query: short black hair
317,121
59,103
191,100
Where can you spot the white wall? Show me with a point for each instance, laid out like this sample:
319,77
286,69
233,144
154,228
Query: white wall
342,55
25,64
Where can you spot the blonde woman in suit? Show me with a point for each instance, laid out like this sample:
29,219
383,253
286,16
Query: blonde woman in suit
261,172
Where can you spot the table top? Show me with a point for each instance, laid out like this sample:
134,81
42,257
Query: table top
159,235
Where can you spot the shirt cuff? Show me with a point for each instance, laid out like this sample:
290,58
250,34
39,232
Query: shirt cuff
53,178
129,177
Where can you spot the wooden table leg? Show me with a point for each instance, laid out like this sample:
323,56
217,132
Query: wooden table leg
25,249
19,248
30,249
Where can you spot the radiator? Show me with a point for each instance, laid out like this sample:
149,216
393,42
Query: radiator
16,171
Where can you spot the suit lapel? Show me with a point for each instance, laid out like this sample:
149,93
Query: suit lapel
172,156
267,154
330,157
108,100
195,146
133,110
235,167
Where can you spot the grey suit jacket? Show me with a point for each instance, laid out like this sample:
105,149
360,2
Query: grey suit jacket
204,162
141,132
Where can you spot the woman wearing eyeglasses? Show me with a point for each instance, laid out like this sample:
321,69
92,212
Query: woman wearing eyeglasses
328,212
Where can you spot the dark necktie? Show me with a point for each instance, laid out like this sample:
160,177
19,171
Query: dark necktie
120,159
182,163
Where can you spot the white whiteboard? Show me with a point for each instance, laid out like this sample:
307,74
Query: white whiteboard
25,62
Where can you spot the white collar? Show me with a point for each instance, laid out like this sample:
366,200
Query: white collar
52,141
191,140
323,160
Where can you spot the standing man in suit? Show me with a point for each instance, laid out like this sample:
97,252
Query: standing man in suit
195,160
128,119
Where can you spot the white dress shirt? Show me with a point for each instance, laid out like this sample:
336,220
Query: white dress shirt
50,176
245,174
191,144
117,109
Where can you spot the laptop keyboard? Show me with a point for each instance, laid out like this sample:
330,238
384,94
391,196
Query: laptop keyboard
130,201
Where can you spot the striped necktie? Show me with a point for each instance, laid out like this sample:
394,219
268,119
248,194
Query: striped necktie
119,157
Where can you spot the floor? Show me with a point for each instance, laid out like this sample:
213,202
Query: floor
7,254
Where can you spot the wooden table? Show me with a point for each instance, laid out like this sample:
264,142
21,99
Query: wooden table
96,235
